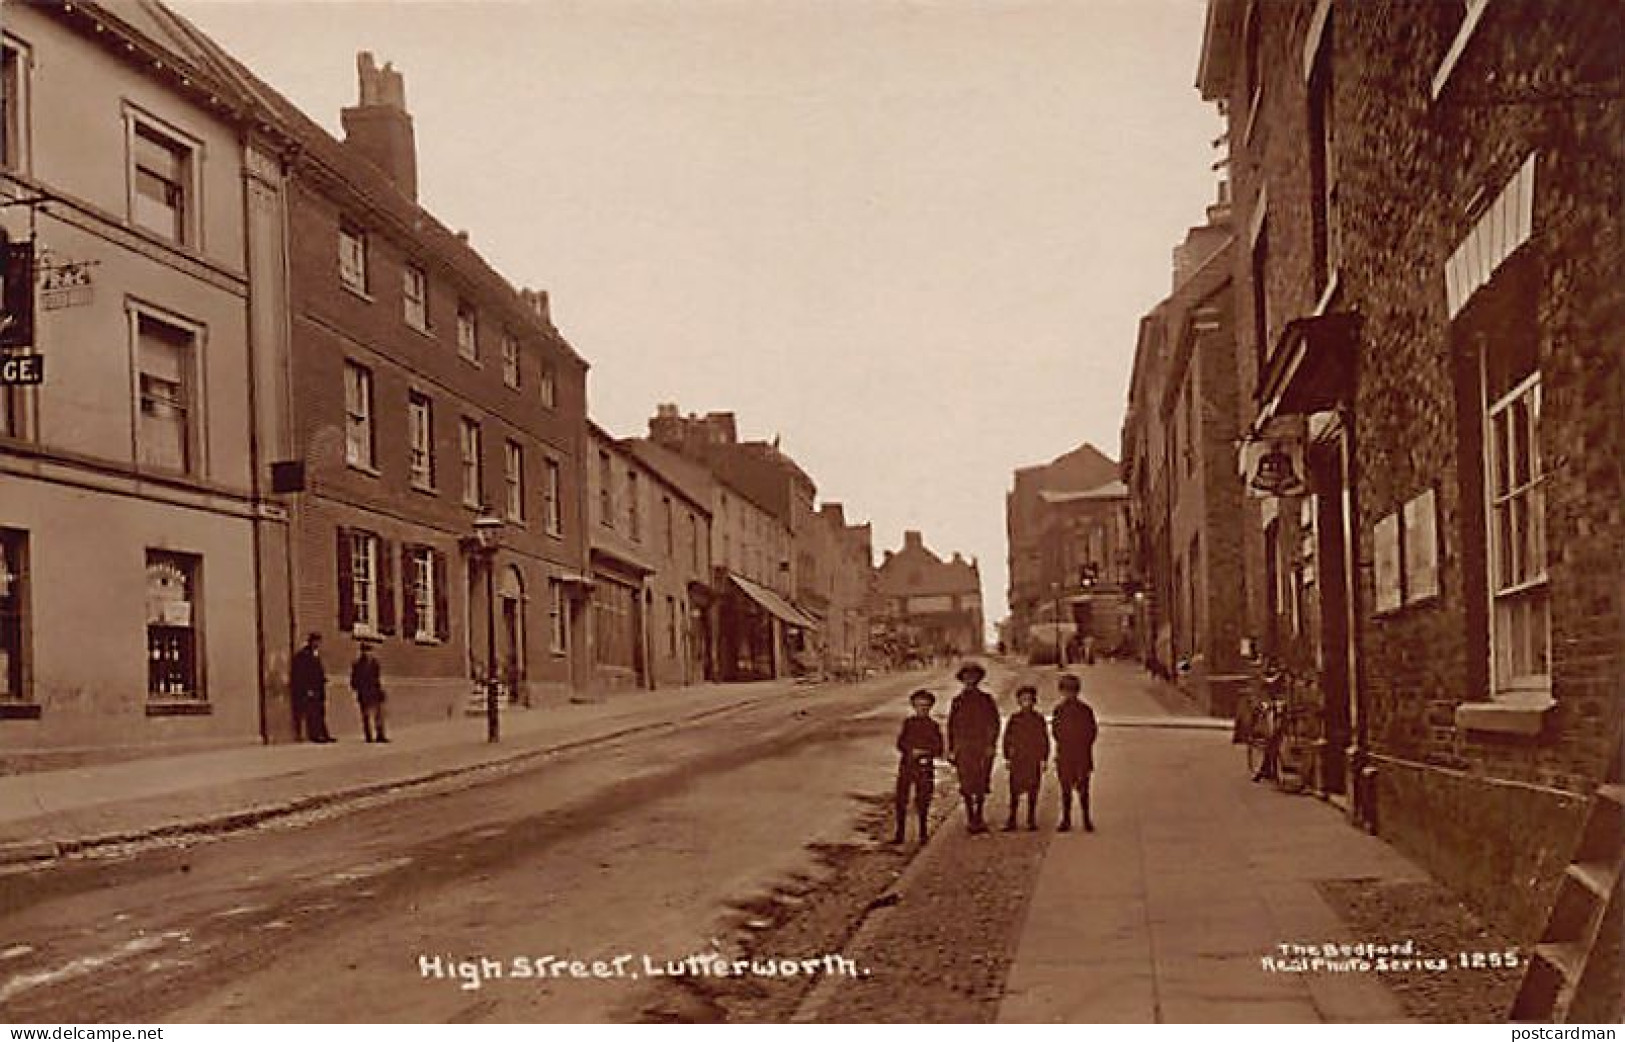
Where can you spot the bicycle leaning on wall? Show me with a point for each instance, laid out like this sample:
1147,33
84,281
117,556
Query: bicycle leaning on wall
1282,732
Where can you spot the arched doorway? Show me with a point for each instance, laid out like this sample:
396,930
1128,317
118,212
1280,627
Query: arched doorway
511,635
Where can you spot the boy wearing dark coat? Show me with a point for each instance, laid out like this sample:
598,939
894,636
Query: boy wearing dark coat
1026,748
919,743
1074,726
973,740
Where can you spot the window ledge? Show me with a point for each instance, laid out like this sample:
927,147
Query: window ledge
19,711
428,490
188,708
473,360
427,642
355,292
1520,714
364,468
423,331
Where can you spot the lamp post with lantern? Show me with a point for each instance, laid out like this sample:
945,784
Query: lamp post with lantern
484,543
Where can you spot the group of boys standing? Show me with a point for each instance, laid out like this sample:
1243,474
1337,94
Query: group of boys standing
973,741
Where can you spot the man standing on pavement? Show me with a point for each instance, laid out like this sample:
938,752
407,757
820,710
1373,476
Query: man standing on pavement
367,682
1073,724
307,682
973,736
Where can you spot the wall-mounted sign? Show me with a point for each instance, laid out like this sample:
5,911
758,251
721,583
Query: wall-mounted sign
22,369
66,285
1386,549
1421,548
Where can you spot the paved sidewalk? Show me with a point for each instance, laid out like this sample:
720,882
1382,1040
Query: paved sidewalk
48,813
1163,915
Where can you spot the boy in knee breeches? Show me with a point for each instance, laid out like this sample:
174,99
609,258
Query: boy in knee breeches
919,743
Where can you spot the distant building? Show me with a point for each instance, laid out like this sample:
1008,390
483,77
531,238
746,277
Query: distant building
789,557
1180,432
1036,577
926,605
851,577
650,551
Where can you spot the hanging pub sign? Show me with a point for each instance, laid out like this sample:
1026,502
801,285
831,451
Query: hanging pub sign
1272,461
17,296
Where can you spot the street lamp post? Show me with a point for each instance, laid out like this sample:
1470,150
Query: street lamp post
1060,642
487,538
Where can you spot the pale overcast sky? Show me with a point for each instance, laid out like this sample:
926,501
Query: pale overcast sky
912,239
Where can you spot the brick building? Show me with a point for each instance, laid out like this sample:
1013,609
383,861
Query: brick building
783,559
1180,433
851,577
651,564
427,392
926,605
1427,206
134,514
1085,542
1032,585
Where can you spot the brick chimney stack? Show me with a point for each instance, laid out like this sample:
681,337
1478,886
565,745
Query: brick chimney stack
380,128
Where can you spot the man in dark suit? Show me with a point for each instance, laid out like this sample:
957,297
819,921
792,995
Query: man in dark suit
367,681
307,682
1074,727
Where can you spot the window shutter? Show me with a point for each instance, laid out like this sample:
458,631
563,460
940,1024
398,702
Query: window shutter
442,611
409,591
386,588
346,580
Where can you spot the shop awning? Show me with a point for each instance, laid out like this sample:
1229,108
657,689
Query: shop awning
772,603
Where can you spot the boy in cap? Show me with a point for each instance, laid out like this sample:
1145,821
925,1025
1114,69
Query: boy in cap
973,736
919,744
1074,726
1026,747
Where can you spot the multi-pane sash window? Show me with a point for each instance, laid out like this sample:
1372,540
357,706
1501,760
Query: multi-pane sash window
424,599
1518,538
473,476
13,102
161,182
552,503
669,523
420,430
165,355
510,360
359,443
549,386
468,332
694,541
353,257
364,582
173,622
513,476
606,491
558,625
415,296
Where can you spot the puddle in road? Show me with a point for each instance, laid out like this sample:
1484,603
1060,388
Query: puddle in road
360,872
88,964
